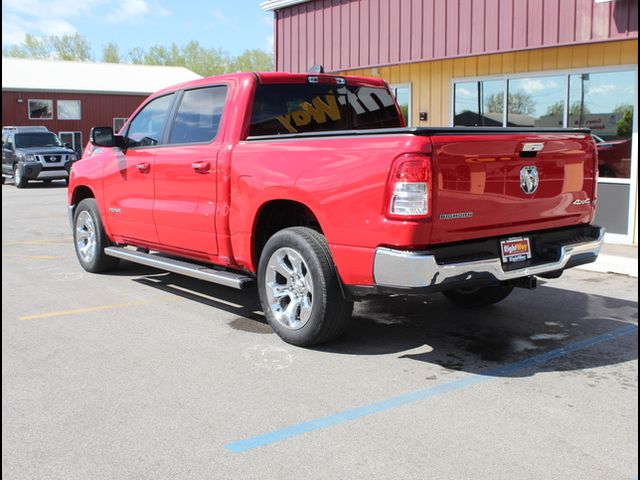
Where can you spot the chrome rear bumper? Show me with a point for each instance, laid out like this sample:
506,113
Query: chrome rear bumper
410,269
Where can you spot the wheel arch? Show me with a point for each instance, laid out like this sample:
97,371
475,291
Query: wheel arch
275,215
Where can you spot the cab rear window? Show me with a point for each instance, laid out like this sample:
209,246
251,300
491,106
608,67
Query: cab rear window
289,109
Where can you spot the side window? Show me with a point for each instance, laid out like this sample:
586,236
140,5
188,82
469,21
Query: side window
147,128
198,116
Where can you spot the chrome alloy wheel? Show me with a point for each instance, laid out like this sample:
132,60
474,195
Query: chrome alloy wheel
17,176
86,243
289,288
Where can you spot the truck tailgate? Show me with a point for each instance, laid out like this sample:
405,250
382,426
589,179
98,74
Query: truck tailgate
500,184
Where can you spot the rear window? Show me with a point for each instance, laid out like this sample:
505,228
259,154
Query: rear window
286,109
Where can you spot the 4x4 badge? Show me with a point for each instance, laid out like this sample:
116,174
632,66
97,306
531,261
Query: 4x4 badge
529,179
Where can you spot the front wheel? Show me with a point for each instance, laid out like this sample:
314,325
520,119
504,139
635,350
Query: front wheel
478,297
90,239
299,288
18,180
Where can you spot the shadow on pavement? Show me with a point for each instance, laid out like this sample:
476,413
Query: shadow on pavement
431,329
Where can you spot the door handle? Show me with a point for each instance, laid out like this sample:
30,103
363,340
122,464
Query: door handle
201,167
143,167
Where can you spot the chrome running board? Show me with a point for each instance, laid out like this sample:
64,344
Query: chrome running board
201,272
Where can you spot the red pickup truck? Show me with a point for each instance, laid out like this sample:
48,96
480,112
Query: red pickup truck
311,187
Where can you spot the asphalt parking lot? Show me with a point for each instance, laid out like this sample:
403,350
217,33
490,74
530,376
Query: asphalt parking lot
142,374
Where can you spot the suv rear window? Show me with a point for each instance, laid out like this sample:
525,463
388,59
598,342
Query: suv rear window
300,108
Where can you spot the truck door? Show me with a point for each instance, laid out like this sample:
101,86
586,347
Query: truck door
185,172
128,174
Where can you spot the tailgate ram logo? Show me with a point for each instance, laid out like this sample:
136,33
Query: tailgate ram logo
529,179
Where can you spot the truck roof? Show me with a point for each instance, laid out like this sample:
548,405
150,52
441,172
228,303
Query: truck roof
275,77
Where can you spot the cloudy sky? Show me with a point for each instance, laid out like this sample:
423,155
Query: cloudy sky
233,25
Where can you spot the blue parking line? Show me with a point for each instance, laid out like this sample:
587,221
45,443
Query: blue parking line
412,397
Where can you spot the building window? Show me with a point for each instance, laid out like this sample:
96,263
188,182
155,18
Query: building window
69,110
118,123
41,109
73,139
479,104
536,102
402,93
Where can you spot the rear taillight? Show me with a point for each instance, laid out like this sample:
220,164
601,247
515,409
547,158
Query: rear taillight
410,187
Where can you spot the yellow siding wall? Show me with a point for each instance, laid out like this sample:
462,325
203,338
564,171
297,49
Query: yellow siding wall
431,81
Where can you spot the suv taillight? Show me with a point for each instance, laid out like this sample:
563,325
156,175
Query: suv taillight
410,187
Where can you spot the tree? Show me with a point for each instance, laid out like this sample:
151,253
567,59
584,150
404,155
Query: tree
623,127
201,60
31,47
71,47
255,60
66,47
574,109
520,103
111,53
136,56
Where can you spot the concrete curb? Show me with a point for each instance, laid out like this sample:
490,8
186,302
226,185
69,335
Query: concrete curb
613,264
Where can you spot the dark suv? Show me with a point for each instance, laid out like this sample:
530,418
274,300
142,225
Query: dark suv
34,153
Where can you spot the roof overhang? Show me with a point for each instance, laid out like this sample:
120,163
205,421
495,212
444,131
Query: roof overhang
271,5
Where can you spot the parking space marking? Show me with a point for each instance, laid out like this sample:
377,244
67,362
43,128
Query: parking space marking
59,241
32,257
412,397
98,308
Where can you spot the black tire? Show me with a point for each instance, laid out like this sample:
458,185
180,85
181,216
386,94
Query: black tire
99,262
3,179
18,179
330,311
478,297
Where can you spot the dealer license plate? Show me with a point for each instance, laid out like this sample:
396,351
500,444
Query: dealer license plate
516,249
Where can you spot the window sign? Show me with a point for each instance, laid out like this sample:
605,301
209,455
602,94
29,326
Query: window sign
41,109
69,110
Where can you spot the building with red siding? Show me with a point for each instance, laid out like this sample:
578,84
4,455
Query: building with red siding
71,97
490,63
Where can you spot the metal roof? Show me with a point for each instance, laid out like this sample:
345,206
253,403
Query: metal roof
116,78
278,4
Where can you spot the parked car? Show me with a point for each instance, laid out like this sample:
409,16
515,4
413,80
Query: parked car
34,153
311,187
614,157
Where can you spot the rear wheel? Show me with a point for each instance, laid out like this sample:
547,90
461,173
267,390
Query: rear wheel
478,297
90,239
18,180
299,288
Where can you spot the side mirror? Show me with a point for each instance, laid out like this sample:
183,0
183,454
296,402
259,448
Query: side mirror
7,146
67,145
104,137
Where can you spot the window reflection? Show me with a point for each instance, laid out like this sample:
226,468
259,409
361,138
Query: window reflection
536,102
604,103
479,104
